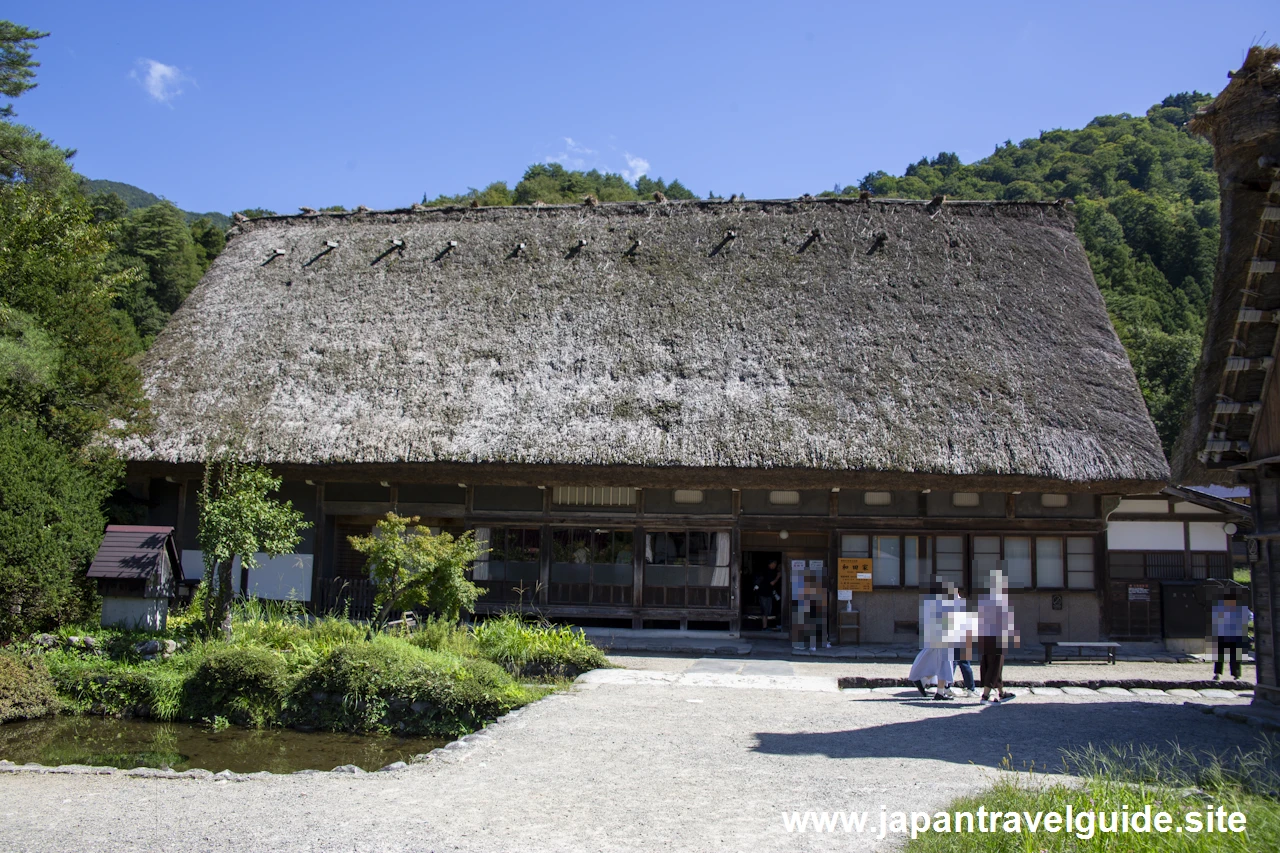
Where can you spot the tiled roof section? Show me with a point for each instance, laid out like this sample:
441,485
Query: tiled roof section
132,552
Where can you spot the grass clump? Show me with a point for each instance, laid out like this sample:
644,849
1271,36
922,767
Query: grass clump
120,687
26,690
538,649
1113,781
389,685
245,685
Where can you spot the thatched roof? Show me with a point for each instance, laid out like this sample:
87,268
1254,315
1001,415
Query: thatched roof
850,339
1243,123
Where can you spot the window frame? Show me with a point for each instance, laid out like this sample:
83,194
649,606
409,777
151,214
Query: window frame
967,540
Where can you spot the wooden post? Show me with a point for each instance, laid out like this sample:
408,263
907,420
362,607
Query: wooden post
1187,571
735,579
182,512
317,550
637,578
544,566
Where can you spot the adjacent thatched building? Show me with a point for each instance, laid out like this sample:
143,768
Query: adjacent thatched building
1234,430
639,405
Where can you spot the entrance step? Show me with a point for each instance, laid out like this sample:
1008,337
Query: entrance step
668,641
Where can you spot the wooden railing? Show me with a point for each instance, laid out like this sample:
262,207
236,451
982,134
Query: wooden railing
347,596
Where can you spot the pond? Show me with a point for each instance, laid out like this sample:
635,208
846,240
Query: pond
108,742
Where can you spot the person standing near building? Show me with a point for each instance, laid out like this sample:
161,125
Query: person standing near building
996,635
934,661
768,589
1230,627
962,631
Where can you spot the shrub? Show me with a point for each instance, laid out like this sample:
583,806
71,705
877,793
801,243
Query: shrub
50,525
388,685
26,690
244,684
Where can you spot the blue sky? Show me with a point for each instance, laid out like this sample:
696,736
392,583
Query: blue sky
226,106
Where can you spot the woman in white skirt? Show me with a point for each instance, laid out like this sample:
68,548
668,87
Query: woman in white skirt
934,664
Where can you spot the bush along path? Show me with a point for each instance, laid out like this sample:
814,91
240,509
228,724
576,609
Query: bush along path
308,673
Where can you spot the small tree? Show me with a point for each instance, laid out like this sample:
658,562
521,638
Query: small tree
239,519
412,567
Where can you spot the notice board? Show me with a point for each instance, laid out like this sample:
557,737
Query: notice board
854,574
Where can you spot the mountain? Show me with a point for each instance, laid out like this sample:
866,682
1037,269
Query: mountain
136,197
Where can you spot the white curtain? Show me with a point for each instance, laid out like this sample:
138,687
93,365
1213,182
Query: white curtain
648,548
481,572
720,577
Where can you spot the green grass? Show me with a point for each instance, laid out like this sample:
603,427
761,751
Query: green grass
1172,780
1242,575
443,679
535,648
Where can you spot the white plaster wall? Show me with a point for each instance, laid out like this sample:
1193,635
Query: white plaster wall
283,578
1188,508
1128,505
1207,536
1145,536
149,614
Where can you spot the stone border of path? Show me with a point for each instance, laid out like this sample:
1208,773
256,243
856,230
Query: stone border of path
1252,715
1092,684
454,751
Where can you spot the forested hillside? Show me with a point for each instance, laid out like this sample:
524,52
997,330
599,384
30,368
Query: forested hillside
1146,202
551,183
136,197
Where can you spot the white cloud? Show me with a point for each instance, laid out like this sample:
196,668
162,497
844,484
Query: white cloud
162,82
574,156
636,166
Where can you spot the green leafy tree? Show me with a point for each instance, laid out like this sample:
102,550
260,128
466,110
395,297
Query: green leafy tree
25,155
239,518
551,183
256,212
412,567
54,271
17,68
209,240
51,522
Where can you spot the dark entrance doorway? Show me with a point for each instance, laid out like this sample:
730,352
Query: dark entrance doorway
755,582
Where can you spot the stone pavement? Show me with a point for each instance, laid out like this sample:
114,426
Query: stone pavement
704,756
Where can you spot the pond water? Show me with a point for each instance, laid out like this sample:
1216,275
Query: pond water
107,742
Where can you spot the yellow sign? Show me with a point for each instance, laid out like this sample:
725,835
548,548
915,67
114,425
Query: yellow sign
854,574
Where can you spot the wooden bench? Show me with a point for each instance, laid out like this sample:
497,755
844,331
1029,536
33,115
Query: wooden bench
1109,648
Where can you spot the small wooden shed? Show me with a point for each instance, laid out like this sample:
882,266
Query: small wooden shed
135,567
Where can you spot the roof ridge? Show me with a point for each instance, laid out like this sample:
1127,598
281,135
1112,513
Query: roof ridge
366,215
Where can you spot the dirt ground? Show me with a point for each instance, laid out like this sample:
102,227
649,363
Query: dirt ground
682,754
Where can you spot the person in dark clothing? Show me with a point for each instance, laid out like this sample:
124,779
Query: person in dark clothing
997,634
1230,627
768,589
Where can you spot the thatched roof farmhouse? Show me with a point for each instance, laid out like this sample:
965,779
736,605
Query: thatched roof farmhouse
740,368
1233,432
819,340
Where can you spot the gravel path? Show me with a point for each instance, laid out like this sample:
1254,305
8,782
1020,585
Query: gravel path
697,758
